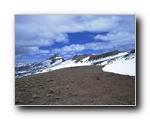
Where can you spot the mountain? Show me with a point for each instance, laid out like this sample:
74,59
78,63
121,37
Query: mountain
122,65
79,58
57,62
95,57
35,68
55,58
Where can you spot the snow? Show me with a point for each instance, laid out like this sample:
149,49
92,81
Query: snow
85,59
116,63
70,63
57,62
104,63
21,72
57,57
121,66
47,62
109,57
20,64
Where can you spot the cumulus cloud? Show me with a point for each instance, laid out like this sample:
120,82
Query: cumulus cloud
120,36
34,31
74,48
30,50
62,38
114,44
101,37
30,58
70,48
54,28
32,43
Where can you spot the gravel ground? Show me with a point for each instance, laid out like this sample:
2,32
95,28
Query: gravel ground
87,85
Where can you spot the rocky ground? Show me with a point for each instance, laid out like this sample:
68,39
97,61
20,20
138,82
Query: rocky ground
87,85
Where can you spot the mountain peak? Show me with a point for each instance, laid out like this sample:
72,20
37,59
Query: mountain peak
56,62
78,58
55,56
94,57
132,51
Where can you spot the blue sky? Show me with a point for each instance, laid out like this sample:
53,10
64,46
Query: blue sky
38,37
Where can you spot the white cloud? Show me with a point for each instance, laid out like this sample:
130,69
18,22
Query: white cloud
34,42
113,41
117,38
34,35
101,37
62,38
70,48
74,48
46,30
30,50
51,26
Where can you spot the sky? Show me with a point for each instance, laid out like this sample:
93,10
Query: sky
38,37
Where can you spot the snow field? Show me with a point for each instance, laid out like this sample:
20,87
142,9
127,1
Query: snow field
121,66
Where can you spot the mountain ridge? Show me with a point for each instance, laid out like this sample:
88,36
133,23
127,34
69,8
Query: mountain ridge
57,62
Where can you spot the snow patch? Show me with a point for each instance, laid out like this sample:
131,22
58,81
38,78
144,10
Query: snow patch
104,63
70,63
109,57
121,66
85,59
57,57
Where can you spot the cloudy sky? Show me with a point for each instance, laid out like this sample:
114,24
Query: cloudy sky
38,37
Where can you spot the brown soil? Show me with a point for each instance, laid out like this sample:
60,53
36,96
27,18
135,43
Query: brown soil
75,86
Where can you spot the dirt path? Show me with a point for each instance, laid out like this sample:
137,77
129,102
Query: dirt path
75,86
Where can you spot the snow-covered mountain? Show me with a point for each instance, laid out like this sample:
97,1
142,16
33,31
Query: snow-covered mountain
124,65
35,68
109,60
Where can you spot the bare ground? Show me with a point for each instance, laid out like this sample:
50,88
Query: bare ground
75,86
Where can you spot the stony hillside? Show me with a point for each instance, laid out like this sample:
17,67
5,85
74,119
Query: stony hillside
86,85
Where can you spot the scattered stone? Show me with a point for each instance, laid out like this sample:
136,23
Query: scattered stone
67,86
48,95
35,96
31,86
87,89
70,93
49,80
76,94
18,100
97,78
58,97
23,89
51,91
30,101
20,93
25,86
42,87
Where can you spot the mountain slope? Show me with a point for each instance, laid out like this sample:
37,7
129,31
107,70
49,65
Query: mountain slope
124,65
89,59
86,85
57,62
36,68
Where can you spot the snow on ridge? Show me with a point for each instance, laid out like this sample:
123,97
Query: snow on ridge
121,66
57,57
85,59
20,64
120,63
83,62
70,63
109,57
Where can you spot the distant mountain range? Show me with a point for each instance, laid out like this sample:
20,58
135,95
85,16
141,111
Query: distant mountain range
57,62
